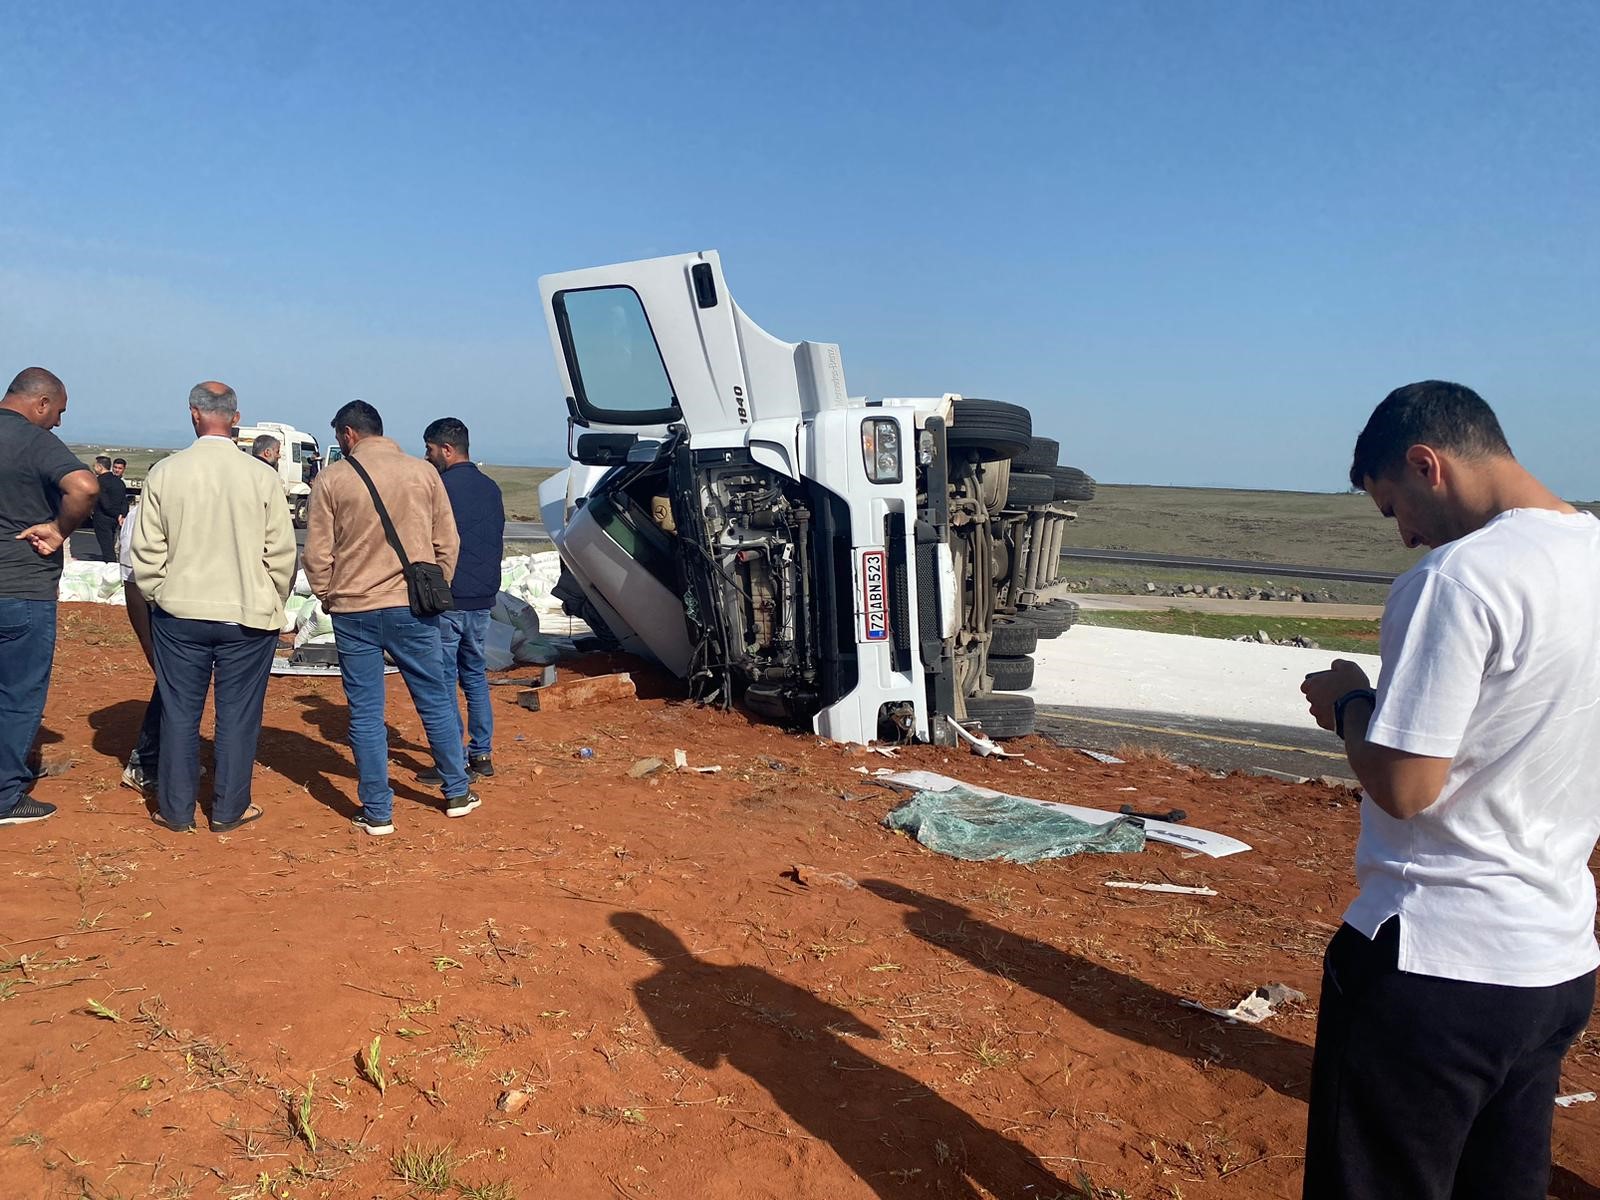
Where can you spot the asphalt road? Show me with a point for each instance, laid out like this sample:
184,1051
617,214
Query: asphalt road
1237,565
1277,750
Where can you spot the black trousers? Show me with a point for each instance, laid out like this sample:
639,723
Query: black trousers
188,655
1433,1089
105,533
147,750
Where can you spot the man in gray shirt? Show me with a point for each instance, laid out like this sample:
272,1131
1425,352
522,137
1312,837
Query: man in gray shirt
45,493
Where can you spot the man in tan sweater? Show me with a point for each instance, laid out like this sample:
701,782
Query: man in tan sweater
213,553
358,576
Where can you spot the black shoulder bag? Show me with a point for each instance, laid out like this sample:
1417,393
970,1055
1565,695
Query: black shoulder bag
426,588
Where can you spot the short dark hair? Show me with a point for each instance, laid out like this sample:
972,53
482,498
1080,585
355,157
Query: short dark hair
359,416
1445,416
103,460
119,462
447,431
36,381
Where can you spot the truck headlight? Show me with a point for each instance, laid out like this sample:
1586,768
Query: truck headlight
880,449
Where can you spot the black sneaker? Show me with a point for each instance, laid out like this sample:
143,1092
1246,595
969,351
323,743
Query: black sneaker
373,828
480,765
28,809
460,806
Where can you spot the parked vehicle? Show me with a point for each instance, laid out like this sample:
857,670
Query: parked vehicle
299,460
872,568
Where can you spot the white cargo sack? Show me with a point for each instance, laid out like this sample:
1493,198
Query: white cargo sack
313,626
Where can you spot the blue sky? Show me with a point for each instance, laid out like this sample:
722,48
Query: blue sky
1199,241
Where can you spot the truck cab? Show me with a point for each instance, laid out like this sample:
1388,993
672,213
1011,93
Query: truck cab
735,514
299,460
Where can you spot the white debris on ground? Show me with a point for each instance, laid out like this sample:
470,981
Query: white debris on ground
524,615
1260,1004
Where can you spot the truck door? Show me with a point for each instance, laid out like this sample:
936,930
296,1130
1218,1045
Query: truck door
644,345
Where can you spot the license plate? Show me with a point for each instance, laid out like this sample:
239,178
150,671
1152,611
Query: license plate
874,596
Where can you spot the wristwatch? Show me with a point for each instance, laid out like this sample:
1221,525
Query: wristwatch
1343,702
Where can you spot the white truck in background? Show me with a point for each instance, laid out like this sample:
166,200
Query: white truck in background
299,460
873,569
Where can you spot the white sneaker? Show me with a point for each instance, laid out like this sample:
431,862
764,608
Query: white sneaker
135,778
373,828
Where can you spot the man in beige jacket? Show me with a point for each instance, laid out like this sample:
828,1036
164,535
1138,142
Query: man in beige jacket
213,553
357,575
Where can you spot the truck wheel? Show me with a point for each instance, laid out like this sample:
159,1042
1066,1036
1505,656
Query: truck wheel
1007,638
1002,716
1067,609
1041,454
1071,484
1050,622
1011,674
302,512
1026,490
992,429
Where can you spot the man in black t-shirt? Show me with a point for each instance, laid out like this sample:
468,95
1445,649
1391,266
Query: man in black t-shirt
109,508
45,493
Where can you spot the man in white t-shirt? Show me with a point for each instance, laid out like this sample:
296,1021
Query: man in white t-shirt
1466,965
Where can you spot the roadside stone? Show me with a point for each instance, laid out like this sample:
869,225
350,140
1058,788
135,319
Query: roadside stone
1263,637
512,1102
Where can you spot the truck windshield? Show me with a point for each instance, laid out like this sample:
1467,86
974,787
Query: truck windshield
613,358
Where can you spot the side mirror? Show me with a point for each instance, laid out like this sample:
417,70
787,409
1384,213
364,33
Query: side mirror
644,451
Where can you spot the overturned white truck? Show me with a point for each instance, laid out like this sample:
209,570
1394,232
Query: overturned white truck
871,568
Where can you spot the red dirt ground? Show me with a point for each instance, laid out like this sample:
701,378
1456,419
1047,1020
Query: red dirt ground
684,1017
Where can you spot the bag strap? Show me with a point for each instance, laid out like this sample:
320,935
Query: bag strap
383,513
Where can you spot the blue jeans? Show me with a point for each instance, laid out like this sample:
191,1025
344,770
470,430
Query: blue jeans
189,654
461,637
413,643
27,651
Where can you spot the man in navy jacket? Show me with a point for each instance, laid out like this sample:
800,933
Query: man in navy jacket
480,520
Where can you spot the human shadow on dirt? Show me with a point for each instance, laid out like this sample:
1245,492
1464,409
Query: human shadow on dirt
893,1131
116,727
1116,1003
315,762
1566,1185
332,721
